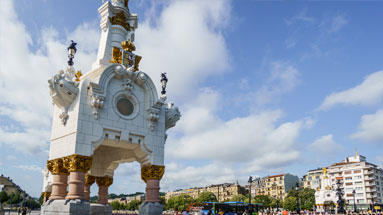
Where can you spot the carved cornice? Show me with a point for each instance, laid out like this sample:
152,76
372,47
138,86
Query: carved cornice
56,167
152,172
104,181
77,163
120,19
89,179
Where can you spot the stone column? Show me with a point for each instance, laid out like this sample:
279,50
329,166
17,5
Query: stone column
89,180
77,165
46,196
60,178
152,175
103,184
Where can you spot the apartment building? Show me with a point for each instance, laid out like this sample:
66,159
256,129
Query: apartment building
223,192
275,186
313,178
8,186
360,180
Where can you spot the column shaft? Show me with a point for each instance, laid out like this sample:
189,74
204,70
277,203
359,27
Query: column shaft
152,190
76,185
59,187
102,195
87,192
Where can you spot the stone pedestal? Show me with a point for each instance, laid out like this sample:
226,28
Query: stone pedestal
62,207
151,208
100,209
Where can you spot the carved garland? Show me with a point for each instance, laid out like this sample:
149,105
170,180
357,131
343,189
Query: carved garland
152,172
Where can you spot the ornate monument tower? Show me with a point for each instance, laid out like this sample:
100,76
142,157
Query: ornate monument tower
110,115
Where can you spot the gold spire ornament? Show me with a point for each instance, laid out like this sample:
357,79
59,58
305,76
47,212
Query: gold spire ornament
78,75
126,57
116,56
120,19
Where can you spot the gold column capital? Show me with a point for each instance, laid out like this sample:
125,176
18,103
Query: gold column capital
104,181
89,179
152,172
77,163
56,167
46,194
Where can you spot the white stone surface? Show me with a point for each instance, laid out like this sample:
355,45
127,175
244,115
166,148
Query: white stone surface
61,207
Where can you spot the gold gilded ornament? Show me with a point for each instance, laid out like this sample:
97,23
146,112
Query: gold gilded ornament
89,179
120,19
77,163
104,181
129,48
152,172
56,167
78,75
46,194
116,56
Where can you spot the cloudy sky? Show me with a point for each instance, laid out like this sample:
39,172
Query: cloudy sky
265,87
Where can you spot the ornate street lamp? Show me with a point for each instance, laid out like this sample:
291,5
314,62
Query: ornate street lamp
71,52
250,182
164,81
340,198
297,189
353,193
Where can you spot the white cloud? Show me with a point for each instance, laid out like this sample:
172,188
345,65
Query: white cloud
11,158
243,139
23,84
337,23
371,127
186,43
30,168
326,145
368,93
283,78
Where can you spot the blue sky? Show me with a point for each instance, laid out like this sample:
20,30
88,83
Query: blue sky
264,87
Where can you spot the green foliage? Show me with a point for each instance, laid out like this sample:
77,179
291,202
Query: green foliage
41,199
263,199
32,204
180,202
15,198
239,198
307,198
290,203
116,205
112,196
93,199
3,197
206,197
133,205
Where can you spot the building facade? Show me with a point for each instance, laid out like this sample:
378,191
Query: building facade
8,186
313,179
275,186
360,180
223,192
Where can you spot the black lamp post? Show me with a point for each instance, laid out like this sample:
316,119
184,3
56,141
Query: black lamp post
297,189
71,52
340,198
164,81
250,182
353,193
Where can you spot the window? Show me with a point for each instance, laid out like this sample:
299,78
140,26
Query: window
125,106
347,173
357,171
359,195
349,183
358,183
359,188
349,190
348,178
317,177
357,177
309,178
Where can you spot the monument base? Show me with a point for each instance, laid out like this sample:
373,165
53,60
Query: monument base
100,209
67,207
151,208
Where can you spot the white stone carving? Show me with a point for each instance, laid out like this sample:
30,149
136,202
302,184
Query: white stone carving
172,115
96,99
63,91
154,115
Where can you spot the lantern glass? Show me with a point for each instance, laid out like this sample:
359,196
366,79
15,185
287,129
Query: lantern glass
71,51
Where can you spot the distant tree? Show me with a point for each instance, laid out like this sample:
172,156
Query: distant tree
206,197
3,198
15,198
112,196
93,199
180,202
116,205
239,198
307,198
292,193
133,205
290,203
263,199
41,199
163,202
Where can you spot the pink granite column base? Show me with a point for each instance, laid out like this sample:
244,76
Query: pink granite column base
76,185
102,195
152,190
87,192
59,185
